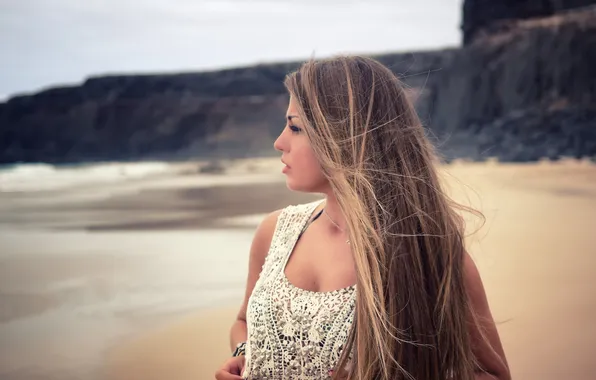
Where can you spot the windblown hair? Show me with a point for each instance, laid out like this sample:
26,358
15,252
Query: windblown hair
412,313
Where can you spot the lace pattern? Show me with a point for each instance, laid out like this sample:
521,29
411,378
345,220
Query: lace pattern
292,332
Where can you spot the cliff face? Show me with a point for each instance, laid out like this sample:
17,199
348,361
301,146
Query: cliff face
485,17
226,113
131,117
524,93
501,85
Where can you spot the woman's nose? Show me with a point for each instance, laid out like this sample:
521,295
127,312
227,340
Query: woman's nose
279,143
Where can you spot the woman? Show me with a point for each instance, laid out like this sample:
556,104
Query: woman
373,282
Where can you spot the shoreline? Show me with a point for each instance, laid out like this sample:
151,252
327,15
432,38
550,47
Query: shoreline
143,278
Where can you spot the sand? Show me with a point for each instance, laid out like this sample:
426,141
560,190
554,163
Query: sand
189,349
536,255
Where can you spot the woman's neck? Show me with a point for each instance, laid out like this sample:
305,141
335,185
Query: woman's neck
333,211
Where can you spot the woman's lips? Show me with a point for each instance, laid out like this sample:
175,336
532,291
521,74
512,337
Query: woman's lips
285,168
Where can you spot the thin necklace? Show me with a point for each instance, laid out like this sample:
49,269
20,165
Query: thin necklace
335,224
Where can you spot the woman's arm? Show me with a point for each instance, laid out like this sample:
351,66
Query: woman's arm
258,252
488,351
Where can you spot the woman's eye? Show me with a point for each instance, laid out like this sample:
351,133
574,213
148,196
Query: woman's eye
294,128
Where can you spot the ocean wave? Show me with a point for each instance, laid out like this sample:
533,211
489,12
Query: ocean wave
39,177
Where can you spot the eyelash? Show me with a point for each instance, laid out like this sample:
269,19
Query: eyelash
294,129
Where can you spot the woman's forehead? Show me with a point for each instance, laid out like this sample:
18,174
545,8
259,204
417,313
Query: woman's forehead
292,110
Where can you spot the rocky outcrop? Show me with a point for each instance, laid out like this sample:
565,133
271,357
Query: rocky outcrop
131,117
523,94
528,135
231,113
488,17
540,66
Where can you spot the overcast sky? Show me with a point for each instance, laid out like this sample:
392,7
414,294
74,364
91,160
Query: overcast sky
44,43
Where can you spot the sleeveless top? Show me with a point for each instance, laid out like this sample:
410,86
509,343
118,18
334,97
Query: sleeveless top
292,332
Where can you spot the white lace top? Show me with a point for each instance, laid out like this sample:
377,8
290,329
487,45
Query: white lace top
294,333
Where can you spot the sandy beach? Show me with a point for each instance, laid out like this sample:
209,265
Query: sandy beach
141,278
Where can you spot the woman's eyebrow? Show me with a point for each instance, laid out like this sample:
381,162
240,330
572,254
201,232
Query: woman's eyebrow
290,117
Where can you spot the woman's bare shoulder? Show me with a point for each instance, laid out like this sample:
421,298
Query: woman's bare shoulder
266,229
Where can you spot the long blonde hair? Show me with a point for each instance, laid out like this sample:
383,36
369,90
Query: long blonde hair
407,238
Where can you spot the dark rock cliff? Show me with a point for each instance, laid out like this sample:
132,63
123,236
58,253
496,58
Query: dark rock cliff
526,92
482,17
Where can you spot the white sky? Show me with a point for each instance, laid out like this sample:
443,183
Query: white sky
45,43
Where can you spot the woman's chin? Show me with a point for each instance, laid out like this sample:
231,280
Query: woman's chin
298,187
293,186
290,185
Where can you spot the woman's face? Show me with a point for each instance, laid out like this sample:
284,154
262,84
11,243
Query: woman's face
302,169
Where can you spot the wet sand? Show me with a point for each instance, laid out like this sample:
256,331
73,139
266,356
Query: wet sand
535,254
191,348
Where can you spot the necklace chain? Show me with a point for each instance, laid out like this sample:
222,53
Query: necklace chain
335,224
